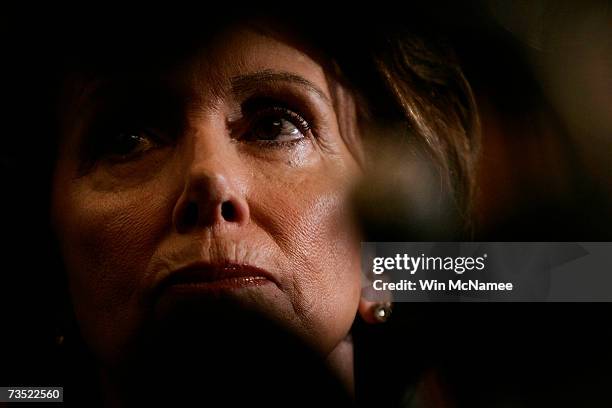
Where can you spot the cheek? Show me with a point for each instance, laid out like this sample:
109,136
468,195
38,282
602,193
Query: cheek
107,240
308,217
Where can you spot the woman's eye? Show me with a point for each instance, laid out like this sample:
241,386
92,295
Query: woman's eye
276,129
122,145
278,126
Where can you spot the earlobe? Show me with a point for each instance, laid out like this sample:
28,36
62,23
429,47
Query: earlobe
374,312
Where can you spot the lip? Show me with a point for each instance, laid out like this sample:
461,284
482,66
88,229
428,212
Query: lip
207,277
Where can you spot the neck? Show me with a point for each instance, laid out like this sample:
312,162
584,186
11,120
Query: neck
340,361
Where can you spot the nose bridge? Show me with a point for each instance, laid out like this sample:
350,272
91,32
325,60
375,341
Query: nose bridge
214,191
211,162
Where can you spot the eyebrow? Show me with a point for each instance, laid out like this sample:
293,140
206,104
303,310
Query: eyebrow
248,82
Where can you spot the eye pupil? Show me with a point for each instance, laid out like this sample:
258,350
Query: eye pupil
126,143
276,129
123,144
275,126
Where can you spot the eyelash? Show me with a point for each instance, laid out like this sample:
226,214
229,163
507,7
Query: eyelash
99,145
272,110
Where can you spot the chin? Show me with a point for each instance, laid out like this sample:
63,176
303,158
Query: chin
263,300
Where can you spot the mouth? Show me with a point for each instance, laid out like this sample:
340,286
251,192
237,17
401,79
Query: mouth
206,277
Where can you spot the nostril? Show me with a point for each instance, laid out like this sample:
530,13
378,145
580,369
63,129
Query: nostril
190,216
228,211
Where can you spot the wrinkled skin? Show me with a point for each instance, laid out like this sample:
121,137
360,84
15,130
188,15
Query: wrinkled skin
124,212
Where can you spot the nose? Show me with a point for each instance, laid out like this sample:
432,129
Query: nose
211,198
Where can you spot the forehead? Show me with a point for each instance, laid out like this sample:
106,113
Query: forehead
253,53
203,71
210,67
257,48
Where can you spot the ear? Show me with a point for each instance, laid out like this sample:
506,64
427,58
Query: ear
365,310
374,312
374,306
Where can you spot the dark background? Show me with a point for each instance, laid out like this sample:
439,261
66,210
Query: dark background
541,73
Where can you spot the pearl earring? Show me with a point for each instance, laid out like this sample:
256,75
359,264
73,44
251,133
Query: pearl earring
381,311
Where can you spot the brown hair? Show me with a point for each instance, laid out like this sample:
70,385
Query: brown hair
437,103
409,77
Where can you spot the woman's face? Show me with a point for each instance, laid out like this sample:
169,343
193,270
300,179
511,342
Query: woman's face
224,178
